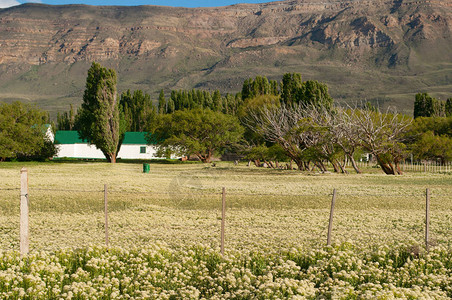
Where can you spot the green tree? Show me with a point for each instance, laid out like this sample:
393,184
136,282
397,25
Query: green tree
259,86
200,132
162,108
254,139
420,105
171,106
274,87
314,93
175,102
430,138
208,102
290,85
269,155
427,106
448,108
200,98
136,110
184,99
430,146
23,134
66,121
307,93
246,89
217,104
98,118
439,108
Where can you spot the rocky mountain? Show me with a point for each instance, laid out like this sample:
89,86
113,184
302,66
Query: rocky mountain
373,50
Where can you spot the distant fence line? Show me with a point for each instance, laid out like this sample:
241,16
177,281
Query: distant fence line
415,166
24,213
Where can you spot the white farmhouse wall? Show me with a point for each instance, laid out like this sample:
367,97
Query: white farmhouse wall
79,151
132,151
90,151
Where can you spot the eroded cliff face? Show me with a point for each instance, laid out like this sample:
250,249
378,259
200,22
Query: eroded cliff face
180,41
38,34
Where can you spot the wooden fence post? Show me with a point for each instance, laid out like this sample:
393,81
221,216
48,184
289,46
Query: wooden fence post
427,218
106,214
223,219
24,241
330,225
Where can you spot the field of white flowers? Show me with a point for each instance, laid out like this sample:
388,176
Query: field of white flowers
165,232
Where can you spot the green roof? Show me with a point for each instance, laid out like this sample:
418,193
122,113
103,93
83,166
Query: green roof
134,138
72,137
68,137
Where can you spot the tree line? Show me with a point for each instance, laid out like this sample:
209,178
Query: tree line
267,122
427,106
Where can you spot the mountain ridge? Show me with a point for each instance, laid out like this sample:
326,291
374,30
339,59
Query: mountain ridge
364,50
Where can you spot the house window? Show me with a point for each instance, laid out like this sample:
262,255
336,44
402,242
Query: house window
142,149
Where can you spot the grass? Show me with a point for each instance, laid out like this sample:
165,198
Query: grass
180,203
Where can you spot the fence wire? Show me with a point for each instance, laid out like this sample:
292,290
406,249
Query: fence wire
65,190
9,189
229,193
252,219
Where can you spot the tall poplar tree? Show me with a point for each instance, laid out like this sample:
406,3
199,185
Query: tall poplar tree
162,108
448,107
98,118
290,84
66,121
137,108
314,93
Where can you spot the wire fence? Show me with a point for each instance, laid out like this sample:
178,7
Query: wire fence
410,166
59,217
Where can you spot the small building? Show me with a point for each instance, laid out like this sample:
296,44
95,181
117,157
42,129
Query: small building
134,146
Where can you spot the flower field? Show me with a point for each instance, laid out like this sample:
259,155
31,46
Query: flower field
164,233
342,272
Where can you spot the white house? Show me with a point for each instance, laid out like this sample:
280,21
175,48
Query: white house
134,146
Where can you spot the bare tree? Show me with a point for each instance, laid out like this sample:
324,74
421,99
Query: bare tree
323,136
303,133
315,134
346,135
382,135
279,124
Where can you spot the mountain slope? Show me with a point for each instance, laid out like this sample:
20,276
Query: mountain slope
383,51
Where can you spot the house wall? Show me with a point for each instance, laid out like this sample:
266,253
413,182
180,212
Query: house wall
90,151
131,151
79,151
